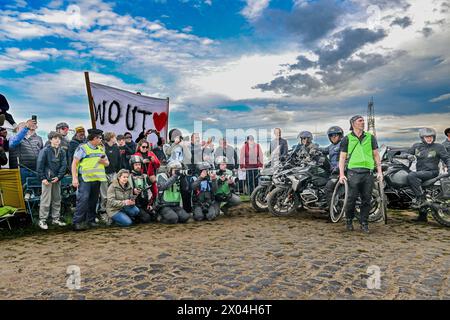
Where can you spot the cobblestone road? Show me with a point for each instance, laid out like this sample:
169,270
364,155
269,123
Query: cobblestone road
245,256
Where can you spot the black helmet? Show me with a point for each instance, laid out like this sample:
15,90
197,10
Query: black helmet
335,130
305,135
203,166
135,159
447,131
427,132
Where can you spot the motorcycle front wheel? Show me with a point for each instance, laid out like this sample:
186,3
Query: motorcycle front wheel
282,201
258,198
440,212
339,201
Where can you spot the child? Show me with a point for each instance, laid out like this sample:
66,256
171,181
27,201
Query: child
51,167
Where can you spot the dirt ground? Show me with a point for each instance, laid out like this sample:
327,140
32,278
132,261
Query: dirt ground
243,256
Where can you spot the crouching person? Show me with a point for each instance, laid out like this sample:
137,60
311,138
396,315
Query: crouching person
169,198
204,187
51,167
141,184
225,185
120,204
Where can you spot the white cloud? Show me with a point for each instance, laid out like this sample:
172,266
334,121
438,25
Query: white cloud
254,8
235,79
441,98
57,87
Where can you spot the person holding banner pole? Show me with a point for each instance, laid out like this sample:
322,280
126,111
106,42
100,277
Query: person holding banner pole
88,172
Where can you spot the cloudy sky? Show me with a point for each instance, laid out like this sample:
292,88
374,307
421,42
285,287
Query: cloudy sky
294,64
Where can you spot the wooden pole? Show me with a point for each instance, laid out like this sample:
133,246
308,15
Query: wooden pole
90,98
167,129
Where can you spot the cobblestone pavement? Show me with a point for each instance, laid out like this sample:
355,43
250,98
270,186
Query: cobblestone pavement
245,256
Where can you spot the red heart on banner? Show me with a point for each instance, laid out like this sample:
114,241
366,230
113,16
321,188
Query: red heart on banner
160,120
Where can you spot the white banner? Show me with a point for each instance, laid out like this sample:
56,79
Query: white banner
120,111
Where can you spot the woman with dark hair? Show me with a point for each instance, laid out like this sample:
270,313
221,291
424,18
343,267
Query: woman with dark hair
150,165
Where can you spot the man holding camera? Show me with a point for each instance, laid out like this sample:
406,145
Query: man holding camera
89,162
169,197
204,187
141,184
225,184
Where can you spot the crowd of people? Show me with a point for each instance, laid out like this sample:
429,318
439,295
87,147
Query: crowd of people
124,181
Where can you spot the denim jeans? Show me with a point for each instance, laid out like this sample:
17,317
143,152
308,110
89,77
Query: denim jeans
123,217
25,173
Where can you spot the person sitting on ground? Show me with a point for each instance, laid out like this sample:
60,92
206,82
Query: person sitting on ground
204,186
121,205
141,185
169,198
51,168
225,184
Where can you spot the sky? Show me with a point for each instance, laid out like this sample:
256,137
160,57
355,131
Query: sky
235,64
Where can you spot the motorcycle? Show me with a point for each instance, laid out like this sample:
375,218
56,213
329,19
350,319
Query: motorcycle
400,195
259,195
296,187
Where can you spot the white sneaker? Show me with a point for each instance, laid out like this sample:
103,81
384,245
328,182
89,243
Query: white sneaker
43,225
59,223
96,220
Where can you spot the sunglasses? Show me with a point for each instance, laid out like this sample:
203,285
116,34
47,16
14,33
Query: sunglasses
144,147
128,137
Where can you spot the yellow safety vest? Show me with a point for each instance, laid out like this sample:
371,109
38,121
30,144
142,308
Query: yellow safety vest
89,167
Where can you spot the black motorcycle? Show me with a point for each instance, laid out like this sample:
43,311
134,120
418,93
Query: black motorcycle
437,190
259,195
297,187
265,186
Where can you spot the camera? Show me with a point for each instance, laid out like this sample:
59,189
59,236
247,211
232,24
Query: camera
184,172
212,172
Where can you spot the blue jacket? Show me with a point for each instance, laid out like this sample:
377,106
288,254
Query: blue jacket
333,151
51,163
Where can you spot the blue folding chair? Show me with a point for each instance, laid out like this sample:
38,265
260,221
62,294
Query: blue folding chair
32,190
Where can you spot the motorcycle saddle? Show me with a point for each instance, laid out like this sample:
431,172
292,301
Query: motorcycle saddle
432,181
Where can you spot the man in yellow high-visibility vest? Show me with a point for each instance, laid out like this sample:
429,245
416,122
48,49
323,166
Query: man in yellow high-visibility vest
89,162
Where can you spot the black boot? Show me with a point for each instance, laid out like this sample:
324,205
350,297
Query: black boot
365,228
349,225
78,227
421,218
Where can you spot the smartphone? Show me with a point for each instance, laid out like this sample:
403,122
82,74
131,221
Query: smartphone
34,118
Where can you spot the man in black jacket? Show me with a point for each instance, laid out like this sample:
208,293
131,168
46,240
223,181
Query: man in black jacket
51,168
446,143
428,155
280,143
77,139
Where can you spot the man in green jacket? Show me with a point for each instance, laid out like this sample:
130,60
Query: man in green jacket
361,150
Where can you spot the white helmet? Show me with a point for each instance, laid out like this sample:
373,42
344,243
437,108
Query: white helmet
174,165
427,132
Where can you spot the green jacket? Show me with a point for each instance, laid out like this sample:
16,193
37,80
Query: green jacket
116,195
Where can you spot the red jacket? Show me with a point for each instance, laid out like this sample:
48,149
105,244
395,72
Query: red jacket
150,168
251,158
